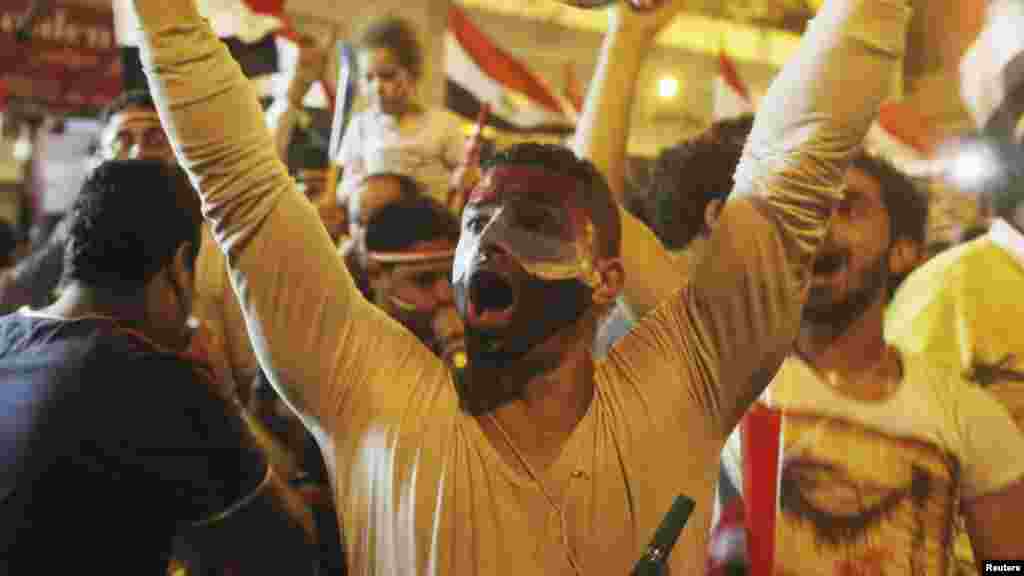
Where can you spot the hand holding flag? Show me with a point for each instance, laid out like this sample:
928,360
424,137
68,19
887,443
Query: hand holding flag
309,69
467,174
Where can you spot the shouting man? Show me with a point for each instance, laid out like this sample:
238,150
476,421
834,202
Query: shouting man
538,459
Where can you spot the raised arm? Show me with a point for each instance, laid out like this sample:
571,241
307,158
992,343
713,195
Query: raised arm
284,114
602,134
745,295
314,335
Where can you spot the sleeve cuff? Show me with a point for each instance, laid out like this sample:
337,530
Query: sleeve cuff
880,24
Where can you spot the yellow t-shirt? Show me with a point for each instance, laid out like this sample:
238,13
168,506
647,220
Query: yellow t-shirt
964,308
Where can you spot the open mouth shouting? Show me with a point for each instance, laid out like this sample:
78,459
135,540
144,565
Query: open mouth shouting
492,300
828,265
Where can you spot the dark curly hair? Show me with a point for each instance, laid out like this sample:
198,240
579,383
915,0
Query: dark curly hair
597,197
399,36
905,203
128,221
689,175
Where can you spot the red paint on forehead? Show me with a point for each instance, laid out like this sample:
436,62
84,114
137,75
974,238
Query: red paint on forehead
529,182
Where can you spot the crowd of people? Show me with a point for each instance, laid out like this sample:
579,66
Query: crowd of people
406,360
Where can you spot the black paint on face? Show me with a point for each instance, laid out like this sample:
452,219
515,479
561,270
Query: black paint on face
502,358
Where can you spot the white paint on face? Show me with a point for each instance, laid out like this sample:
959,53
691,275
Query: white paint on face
544,255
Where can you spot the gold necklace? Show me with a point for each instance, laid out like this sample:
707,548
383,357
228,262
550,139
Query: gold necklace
543,490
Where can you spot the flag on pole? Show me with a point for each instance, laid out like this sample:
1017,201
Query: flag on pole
731,95
247,27
480,72
573,88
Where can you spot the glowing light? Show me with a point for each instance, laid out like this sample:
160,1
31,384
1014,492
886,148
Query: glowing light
668,87
973,166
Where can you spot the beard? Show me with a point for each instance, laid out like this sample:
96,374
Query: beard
823,310
502,360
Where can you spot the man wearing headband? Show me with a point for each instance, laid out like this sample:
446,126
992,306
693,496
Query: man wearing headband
538,459
410,245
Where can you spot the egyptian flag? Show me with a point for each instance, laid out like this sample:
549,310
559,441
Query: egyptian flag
903,137
480,72
249,28
731,95
992,73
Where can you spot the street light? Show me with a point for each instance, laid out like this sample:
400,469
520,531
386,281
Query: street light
668,87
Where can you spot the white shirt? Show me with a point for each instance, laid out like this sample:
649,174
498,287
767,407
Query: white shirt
874,487
431,147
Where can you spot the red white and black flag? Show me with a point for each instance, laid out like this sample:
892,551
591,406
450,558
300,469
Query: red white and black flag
992,72
731,96
480,72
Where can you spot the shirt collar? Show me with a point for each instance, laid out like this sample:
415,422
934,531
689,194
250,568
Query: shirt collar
1009,239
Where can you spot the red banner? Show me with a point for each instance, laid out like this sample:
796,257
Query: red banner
70,61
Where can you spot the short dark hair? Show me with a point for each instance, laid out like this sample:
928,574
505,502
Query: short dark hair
597,197
689,175
401,225
399,36
128,221
905,203
408,189
128,99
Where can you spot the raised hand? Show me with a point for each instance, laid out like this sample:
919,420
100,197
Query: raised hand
310,68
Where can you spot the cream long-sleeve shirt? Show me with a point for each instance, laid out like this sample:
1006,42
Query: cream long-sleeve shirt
419,488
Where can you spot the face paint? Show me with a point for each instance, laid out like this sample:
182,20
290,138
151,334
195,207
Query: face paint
534,216
540,285
501,360
414,298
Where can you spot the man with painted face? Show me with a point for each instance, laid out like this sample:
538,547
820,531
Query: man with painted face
534,270
539,460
